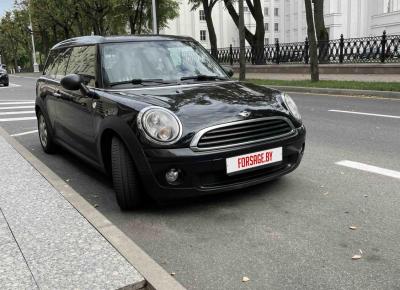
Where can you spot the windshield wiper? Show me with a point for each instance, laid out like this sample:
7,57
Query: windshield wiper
139,82
203,78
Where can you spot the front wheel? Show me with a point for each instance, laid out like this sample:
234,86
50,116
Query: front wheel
125,176
45,136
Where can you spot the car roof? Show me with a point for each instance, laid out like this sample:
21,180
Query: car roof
95,39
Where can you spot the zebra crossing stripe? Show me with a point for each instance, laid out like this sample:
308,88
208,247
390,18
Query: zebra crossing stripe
17,103
16,107
17,113
17,119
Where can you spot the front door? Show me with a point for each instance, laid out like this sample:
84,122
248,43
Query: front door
75,111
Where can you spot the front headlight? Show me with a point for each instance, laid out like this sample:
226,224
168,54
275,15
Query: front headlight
160,125
291,106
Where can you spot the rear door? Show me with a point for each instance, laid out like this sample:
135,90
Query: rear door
75,110
49,84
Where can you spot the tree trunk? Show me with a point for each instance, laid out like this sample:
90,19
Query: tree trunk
322,33
259,34
255,40
211,29
133,19
66,32
313,42
131,24
242,60
140,18
235,17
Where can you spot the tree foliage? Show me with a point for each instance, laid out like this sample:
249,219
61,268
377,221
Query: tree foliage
56,20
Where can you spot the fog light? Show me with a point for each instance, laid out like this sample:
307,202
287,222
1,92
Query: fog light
172,175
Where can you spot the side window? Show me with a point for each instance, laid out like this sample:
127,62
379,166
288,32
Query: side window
62,61
83,62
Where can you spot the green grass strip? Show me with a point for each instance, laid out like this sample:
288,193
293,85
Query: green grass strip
350,85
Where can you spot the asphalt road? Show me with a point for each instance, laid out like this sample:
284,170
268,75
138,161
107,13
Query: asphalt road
288,234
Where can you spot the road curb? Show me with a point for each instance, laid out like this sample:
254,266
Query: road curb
157,278
342,92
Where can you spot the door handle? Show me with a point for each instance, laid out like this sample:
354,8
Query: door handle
57,95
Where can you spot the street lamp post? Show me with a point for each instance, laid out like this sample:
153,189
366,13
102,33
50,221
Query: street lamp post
35,65
154,12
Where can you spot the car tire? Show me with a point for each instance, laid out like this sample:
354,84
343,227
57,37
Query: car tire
45,135
125,176
6,84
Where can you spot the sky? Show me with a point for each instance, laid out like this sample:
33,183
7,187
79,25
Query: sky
5,5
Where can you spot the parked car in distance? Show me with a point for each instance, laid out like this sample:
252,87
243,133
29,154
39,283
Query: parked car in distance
163,118
4,80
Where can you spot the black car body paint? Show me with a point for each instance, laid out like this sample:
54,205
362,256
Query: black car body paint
4,80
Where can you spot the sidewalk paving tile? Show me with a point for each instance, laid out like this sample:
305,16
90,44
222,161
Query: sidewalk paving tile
14,272
62,249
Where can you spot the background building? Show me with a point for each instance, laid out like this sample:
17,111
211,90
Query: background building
285,20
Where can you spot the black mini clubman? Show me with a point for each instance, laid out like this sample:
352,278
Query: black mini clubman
162,117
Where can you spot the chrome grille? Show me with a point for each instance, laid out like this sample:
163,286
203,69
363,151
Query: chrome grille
242,132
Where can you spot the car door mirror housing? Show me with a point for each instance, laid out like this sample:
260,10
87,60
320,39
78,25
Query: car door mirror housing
72,82
228,70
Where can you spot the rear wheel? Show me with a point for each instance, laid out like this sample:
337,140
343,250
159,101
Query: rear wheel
6,84
45,136
125,176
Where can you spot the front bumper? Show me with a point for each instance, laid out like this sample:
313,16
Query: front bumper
205,172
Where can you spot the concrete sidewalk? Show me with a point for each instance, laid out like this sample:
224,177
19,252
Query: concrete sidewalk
45,243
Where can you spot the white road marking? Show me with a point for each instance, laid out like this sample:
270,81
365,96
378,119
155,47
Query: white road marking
17,113
33,78
367,114
17,119
17,107
14,100
10,86
369,168
17,103
24,133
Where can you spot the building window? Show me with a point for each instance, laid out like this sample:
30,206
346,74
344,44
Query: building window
246,9
276,11
266,11
276,27
202,15
266,26
266,40
203,35
391,5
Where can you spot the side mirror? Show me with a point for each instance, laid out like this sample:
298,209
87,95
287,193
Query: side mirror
72,82
228,70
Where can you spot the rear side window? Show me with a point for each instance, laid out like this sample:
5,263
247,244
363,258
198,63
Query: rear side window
57,63
50,61
83,62
62,62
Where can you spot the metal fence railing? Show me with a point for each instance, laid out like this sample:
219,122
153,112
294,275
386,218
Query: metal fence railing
374,49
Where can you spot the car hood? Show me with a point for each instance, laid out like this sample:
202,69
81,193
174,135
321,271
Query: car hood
206,104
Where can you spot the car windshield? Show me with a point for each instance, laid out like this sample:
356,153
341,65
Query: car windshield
157,62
